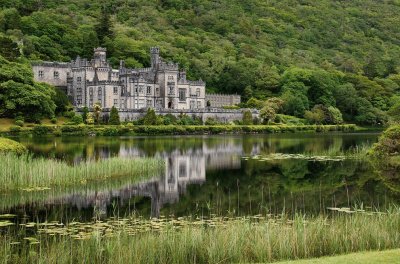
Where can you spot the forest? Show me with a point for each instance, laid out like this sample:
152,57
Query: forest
325,61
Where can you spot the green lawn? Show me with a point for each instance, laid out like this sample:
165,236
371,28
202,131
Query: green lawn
387,256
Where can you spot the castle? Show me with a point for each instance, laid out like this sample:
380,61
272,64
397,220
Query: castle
161,86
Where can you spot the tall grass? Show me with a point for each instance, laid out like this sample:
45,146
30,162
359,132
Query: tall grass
26,172
216,241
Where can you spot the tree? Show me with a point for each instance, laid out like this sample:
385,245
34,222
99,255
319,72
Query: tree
114,116
9,49
104,27
85,112
20,95
247,118
268,113
77,119
335,116
97,112
61,100
150,119
89,119
315,116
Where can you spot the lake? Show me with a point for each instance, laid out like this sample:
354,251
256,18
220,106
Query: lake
224,175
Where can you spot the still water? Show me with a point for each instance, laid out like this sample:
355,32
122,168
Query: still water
213,175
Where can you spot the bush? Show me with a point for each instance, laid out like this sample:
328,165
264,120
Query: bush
42,130
53,120
19,123
69,114
15,129
389,143
8,145
76,120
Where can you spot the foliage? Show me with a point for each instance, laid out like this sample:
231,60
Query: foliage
19,123
20,95
150,118
306,53
76,120
89,118
8,145
247,118
97,112
114,116
85,112
389,142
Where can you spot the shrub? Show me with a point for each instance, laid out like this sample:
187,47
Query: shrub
110,131
53,120
19,123
76,120
42,130
8,145
15,129
247,118
69,114
114,116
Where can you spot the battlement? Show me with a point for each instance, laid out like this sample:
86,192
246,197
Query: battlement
99,49
53,64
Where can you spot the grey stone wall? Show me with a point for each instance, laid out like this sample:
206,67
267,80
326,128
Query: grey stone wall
220,100
222,115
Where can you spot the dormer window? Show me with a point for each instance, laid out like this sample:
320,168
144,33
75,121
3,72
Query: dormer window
56,75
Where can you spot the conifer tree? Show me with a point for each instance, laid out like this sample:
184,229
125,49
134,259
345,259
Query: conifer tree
114,116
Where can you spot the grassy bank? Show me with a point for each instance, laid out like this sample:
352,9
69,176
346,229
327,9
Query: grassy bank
217,240
122,130
381,257
25,172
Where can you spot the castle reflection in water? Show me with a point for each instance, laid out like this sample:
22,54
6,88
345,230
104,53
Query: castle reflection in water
183,167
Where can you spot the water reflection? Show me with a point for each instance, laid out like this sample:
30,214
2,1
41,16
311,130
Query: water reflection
206,175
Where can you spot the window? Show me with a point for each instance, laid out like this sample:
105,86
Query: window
99,91
141,88
41,74
116,102
198,92
56,75
79,90
182,94
148,89
115,90
170,78
91,90
198,104
91,102
136,88
148,103
157,90
192,104
122,103
78,79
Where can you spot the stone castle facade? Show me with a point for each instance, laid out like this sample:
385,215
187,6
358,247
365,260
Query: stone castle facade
161,86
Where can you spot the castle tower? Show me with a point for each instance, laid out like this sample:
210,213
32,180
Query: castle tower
155,56
100,56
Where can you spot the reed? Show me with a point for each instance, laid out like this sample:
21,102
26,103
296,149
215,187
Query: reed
217,240
27,173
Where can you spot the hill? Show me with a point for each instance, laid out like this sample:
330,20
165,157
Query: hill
250,47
